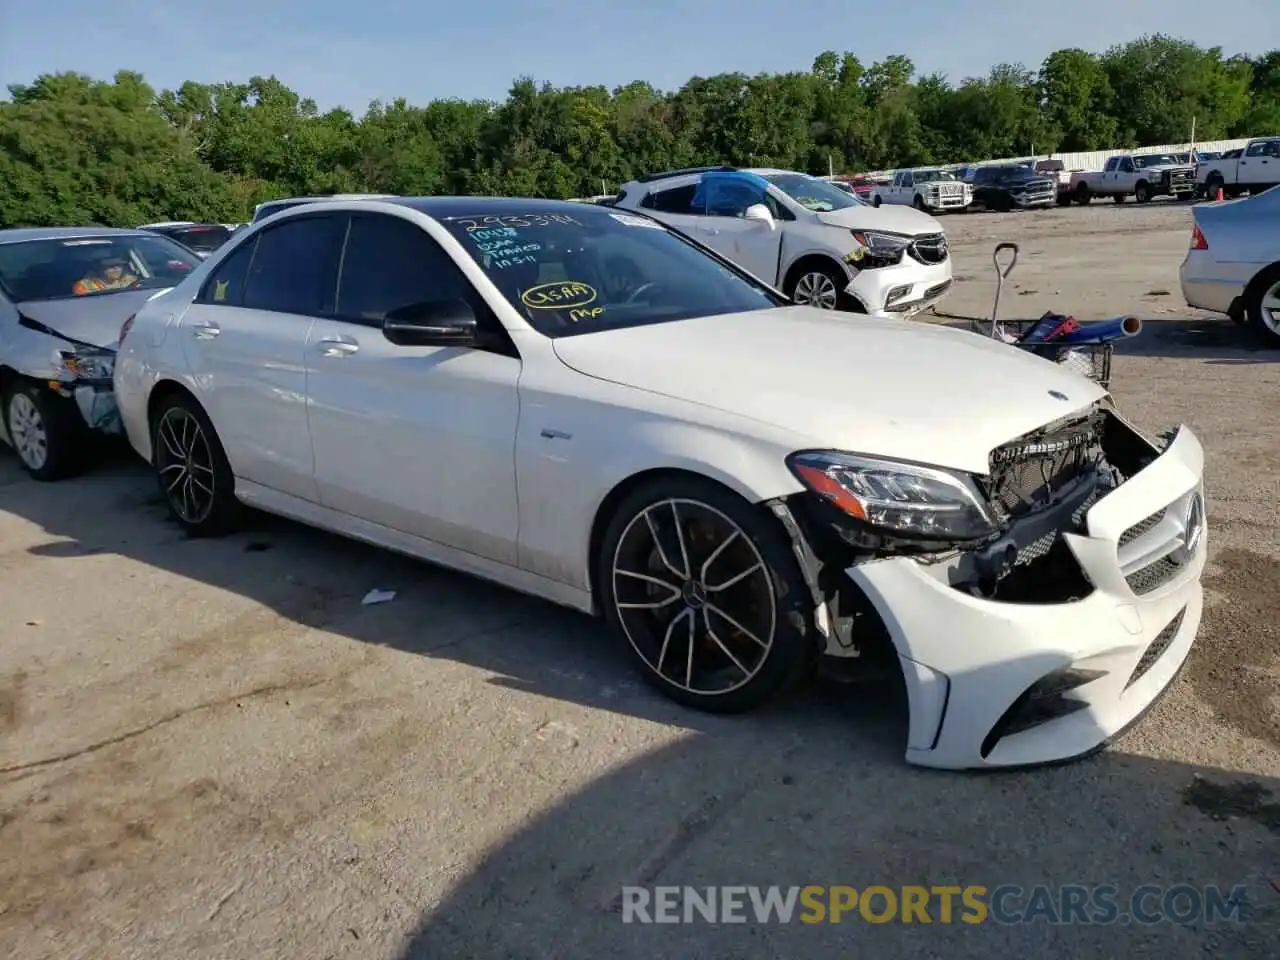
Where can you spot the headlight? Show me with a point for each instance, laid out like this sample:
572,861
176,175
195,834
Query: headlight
84,363
878,249
926,503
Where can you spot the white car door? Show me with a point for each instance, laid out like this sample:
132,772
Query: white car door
245,340
418,439
752,244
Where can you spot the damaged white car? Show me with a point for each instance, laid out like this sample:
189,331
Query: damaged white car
579,403
64,295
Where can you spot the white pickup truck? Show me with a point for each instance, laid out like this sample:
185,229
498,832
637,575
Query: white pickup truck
929,190
1141,176
1254,169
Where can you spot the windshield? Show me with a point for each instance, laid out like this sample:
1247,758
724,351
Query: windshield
1154,160
593,270
202,239
91,266
812,193
926,176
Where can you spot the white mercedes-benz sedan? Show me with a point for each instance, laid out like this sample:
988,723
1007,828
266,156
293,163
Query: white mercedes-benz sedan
581,403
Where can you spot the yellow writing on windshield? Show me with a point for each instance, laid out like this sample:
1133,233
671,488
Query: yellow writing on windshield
559,295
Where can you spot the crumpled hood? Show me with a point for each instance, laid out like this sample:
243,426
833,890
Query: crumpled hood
893,218
92,319
888,388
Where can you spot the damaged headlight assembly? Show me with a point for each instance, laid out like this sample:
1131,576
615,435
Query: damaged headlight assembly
877,249
903,500
87,364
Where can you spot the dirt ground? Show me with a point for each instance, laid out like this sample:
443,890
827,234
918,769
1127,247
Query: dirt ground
212,749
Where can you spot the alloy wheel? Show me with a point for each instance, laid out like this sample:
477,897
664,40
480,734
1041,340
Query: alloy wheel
27,431
694,596
816,290
184,462
1270,309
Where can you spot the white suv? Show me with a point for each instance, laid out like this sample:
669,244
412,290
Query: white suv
806,237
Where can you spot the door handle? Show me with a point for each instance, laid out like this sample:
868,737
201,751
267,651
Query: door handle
205,329
337,346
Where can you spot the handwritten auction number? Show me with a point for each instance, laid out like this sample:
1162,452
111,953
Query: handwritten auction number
474,224
585,313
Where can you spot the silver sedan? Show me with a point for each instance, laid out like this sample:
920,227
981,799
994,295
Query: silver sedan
1233,265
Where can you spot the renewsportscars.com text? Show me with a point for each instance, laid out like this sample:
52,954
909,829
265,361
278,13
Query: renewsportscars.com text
972,904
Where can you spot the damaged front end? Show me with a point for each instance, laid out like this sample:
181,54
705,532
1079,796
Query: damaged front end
85,374
999,537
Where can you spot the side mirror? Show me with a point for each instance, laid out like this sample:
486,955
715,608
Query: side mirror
760,213
433,323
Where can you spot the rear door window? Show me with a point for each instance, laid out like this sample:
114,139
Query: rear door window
675,200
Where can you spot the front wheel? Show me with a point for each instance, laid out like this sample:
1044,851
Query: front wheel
46,431
1142,193
1118,197
192,468
708,595
818,287
875,202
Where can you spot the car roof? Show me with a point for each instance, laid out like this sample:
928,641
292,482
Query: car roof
21,234
167,223
443,208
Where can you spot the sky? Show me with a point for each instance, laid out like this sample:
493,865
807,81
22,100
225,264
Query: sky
349,52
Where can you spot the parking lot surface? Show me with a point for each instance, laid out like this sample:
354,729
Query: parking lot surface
214,749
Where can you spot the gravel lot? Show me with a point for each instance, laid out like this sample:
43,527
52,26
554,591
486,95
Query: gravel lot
212,749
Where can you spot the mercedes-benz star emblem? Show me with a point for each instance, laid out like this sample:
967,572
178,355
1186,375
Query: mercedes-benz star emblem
1058,395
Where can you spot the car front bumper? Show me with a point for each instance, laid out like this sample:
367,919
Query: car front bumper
985,678
902,290
1210,285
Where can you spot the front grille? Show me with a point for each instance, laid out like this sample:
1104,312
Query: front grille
1141,527
1027,472
1153,576
930,249
1156,649
1182,180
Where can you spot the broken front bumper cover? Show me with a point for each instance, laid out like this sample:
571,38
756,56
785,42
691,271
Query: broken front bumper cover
999,684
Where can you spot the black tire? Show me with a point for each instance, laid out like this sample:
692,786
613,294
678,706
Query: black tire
1118,197
63,436
1253,298
200,488
1142,192
1212,185
834,275
918,203
1083,195
791,652
875,201
1064,199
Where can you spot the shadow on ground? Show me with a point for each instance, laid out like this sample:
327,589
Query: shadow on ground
784,807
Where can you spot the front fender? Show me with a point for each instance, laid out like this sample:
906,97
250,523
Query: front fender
571,453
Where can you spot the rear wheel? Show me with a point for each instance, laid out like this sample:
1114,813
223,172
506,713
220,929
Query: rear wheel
1262,306
1083,194
46,431
875,202
1118,197
192,468
707,594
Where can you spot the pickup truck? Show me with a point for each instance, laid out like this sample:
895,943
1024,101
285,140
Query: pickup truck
1255,169
929,190
1141,176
